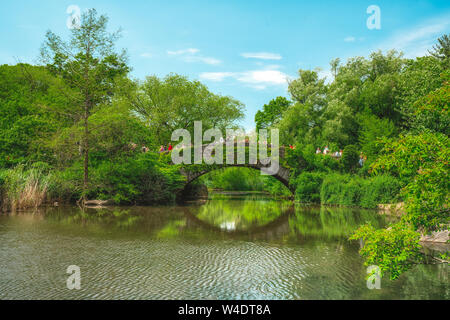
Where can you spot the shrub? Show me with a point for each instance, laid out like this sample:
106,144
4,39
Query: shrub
307,186
356,191
352,192
394,250
142,179
332,188
304,158
350,158
67,185
379,189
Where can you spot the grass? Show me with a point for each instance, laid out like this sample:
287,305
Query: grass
22,188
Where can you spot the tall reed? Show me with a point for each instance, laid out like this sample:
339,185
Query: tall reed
23,188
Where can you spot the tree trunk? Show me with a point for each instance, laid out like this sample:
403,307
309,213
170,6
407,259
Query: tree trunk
86,154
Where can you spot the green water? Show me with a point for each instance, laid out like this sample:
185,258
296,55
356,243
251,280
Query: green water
225,248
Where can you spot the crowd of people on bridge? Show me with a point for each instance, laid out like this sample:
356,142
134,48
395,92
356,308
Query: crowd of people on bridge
326,151
338,154
163,149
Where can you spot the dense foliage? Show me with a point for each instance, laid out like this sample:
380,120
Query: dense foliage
389,115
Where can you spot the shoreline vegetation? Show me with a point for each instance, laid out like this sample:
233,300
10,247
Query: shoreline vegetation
78,127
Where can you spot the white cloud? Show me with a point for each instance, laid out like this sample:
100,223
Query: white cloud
273,77
191,55
207,60
261,55
416,42
146,55
215,76
257,79
183,51
350,39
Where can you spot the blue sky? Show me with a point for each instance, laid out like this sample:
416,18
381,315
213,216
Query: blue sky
245,49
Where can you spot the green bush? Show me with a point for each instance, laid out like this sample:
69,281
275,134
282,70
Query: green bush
332,188
394,250
141,179
355,191
275,187
352,191
350,158
67,185
379,189
307,186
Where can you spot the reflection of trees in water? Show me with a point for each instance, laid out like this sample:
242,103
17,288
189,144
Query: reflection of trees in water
432,277
110,217
423,282
246,219
330,222
114,221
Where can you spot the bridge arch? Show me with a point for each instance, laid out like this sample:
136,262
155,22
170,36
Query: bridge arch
283,174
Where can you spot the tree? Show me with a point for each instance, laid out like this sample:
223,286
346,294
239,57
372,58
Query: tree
271,113
373,129
24,126
89,65
419,77
175,102
441,50
421,161
308,88
350,157
335,66
431,112
303,120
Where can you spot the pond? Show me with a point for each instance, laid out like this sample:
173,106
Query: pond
227,247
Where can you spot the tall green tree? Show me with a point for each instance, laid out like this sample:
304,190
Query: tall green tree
89,65
271,112
441,50
24,125
334,64
175,102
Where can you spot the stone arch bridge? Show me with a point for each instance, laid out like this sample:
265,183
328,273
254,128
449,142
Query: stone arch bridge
282,175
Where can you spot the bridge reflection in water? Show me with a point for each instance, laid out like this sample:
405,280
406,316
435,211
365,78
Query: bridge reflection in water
247,217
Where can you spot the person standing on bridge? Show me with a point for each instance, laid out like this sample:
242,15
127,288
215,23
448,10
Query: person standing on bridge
170,147
162,149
